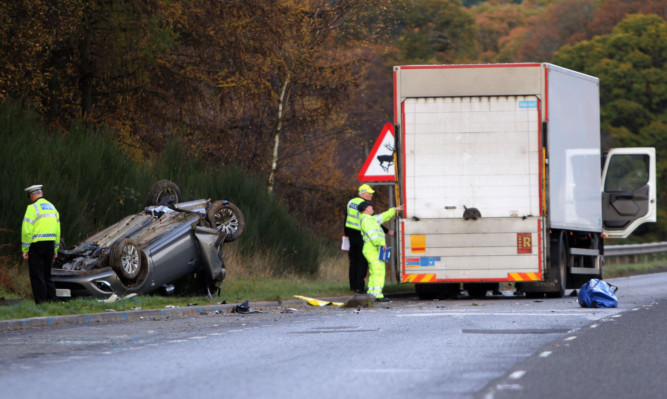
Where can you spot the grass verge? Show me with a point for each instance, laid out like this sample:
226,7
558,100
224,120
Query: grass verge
249,279
631,269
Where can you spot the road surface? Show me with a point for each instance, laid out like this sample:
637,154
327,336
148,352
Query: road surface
484,348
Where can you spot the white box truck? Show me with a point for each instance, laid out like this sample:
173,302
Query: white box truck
500,171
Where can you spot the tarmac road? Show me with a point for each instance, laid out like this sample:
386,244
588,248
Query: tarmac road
490,348
622,358
618,357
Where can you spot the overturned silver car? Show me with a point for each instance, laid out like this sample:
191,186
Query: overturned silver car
151,250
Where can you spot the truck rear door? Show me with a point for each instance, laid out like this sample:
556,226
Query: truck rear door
471,152
629,190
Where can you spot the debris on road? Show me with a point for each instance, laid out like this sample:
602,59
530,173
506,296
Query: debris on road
318,302
114,298
359,301
244,308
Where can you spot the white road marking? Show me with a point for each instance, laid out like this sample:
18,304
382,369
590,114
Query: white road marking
509,387
517,374
388,370
491,314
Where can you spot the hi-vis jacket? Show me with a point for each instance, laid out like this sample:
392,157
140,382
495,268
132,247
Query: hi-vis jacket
40,223
353,220
371,228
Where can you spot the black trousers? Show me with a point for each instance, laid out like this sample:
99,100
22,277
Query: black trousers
40,258
358,263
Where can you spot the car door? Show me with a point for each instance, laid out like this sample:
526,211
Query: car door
629,190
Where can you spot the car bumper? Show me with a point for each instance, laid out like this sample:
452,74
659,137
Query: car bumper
100,284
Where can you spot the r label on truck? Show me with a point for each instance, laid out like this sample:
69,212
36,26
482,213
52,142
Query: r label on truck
524,243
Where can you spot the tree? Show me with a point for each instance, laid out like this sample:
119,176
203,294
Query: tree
631,63
249,77
610,12
545,30
437,31
79,58
495,22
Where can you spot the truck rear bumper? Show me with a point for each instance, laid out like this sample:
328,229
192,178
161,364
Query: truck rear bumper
459,250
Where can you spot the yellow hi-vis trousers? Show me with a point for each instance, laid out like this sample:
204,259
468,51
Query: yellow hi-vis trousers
376,270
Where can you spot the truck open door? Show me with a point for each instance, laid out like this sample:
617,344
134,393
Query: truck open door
629,190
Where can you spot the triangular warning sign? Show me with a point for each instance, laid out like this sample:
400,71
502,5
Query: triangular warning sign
379,165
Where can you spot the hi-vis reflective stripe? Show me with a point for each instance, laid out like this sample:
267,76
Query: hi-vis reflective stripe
51,235
524,276
418,278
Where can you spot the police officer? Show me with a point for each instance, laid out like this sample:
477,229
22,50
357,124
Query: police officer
374,239
358,263
40,241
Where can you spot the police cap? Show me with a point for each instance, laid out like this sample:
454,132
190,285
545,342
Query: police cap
365,188
32,189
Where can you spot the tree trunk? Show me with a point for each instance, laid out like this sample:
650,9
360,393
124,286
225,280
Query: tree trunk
85,75
276,138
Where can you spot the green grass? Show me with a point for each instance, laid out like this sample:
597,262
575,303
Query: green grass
278,290
631,269
253,289
243,283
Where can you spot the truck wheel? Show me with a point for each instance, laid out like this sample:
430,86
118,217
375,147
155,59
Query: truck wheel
126,260
430,291
558,267
426,291
476,292
163,192
227,218
479,290
449,290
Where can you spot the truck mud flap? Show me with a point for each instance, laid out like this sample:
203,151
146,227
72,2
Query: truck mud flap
538,286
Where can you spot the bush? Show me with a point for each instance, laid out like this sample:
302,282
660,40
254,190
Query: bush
94,184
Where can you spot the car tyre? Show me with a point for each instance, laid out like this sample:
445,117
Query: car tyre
126,259
164,192
227,218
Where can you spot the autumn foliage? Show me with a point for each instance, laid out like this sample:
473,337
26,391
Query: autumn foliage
294,92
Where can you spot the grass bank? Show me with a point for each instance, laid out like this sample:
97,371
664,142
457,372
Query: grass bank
247,279
253,282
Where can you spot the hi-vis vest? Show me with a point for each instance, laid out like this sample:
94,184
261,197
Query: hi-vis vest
353,220
40,223
371,229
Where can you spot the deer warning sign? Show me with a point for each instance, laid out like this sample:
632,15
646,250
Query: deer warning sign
379,165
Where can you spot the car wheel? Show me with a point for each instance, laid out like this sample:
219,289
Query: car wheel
227,218
126,260
163,192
